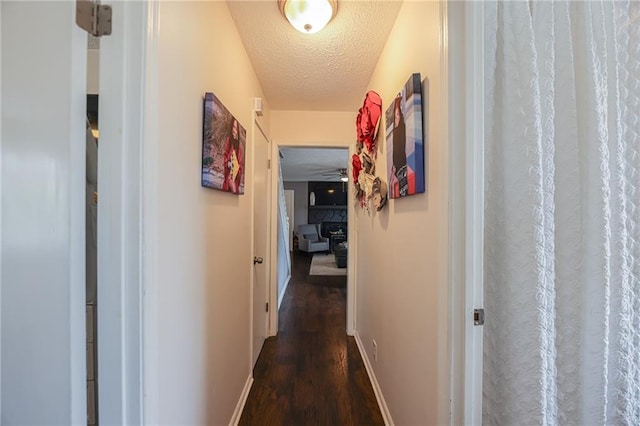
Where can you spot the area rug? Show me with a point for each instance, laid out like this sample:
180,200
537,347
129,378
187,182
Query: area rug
325,264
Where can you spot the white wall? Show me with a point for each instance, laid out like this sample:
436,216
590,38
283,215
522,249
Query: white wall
398,249
300,201
204,252
314,128
43,190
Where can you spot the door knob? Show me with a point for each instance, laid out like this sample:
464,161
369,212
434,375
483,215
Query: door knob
257,260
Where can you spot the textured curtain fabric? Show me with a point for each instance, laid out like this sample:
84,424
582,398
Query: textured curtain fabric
562,215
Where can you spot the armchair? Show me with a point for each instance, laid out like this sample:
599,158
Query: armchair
310,240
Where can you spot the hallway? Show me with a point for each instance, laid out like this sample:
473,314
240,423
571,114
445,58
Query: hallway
177,310
311,373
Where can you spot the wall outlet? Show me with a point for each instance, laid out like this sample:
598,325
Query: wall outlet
375,350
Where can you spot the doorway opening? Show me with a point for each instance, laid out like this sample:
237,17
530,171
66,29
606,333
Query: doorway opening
321,225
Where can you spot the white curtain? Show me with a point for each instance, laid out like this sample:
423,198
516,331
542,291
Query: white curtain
562,215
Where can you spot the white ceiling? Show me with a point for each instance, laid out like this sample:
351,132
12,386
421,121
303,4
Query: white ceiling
326,71
313,164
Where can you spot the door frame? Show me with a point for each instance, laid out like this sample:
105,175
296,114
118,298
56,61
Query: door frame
269,264
149,319
1,214
463,69
127,225
351,237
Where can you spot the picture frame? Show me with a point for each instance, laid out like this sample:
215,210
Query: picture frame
405,141
223,148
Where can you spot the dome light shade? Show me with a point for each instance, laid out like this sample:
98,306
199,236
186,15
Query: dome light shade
308,16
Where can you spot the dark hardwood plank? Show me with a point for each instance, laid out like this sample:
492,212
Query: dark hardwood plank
311,373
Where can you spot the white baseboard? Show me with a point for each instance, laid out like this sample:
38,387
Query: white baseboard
284,290
386,415
237,413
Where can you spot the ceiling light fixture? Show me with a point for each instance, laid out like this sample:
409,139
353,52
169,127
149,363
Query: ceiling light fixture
308,16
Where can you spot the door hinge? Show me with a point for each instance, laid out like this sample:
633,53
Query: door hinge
267,307
269,164
478,317
93,17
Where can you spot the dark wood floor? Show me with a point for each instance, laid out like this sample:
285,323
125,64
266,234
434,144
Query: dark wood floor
311,373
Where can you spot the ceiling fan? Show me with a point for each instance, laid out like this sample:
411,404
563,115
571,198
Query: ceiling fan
341,173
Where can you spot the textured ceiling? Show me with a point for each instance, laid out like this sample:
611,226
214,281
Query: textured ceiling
313,164
326,71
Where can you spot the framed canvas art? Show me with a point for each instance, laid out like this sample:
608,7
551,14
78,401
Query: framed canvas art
223,147
405,144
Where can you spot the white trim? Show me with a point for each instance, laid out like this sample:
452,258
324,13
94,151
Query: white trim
120,212
272,242
284,290
252,248
352,253
1,213
474,250
264,133
237,412
466,138
384,409
149,195
447,272
453,71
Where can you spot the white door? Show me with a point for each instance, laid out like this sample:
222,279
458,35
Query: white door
261,189
42,170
